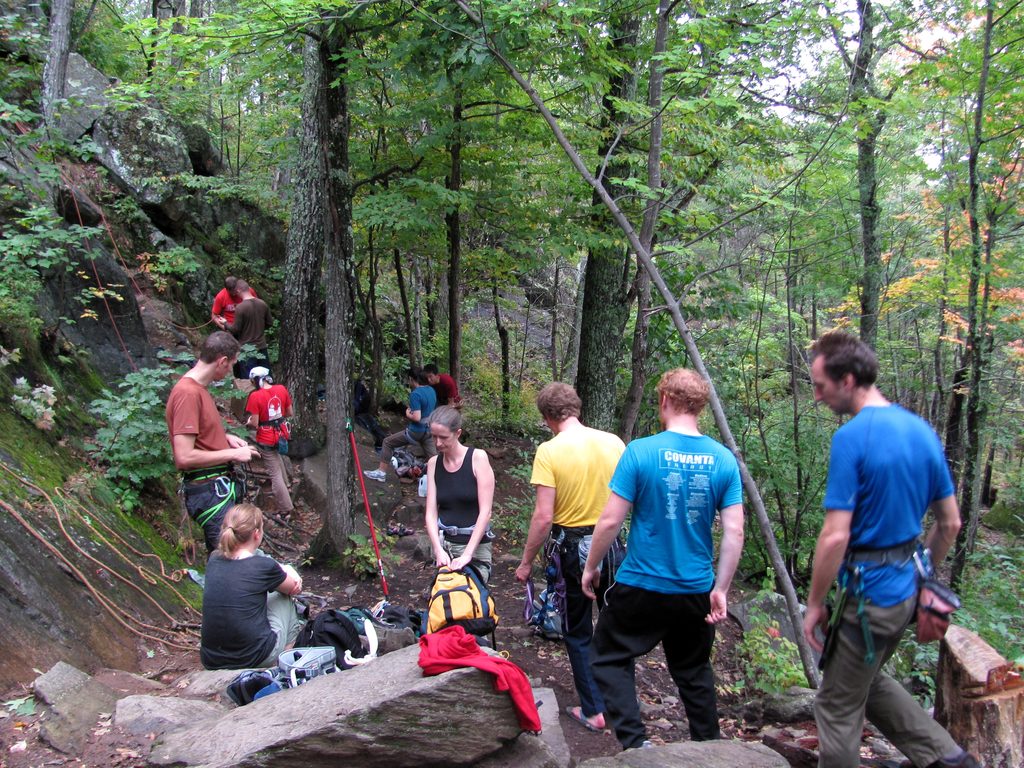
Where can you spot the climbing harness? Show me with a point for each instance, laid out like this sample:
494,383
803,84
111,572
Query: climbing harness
854,565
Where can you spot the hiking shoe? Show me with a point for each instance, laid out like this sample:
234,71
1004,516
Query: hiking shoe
376,474
645,744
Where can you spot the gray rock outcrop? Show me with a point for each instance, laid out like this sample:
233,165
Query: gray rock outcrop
142,147
385,714
75,702
141,715
85,96
772,605
694,754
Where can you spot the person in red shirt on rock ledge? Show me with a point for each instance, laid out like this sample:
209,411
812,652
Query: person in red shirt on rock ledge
224,302
444,385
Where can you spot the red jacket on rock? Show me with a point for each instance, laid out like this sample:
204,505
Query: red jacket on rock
452,648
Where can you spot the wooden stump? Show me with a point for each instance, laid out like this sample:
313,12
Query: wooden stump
979,699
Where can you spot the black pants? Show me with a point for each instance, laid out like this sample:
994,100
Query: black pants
371,425
244,365
632,623
208,502
578,621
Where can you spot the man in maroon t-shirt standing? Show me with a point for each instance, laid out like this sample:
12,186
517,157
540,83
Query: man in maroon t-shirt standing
444,385
203,450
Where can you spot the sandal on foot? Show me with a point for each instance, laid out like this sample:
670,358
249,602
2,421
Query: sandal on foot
576,713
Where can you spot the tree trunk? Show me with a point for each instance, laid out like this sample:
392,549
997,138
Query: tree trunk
454,230
326,128
869,126
301,322
553,348
939,395
56,67
642,283
973,703
506,364
639,356
340,276
570,362
606,299
410,331
980,248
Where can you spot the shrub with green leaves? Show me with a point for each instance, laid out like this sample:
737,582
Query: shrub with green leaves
176,262
914,665
132,442
990,591
35,241
773,661
360,559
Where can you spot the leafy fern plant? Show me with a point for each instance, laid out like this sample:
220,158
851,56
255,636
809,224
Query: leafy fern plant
132,442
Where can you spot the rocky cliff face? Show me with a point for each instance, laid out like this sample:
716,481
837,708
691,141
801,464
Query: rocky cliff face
150,186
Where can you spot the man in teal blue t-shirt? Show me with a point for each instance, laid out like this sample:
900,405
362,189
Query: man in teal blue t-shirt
886,469
667,590
422,401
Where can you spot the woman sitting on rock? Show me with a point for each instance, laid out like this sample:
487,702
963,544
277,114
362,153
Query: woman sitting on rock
460,490
249,616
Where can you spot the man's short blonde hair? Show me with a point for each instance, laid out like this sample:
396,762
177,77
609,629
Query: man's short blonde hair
685,389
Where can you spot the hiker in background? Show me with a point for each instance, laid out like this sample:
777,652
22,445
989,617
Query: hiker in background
223,312
252,318
460,490
571,472
422,401
249,616
203,451
667,590
362,415
268,406
444,386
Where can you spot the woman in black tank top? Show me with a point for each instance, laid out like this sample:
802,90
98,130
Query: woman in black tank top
460,490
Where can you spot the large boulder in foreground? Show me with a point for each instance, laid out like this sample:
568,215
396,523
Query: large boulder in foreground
384,714
694,754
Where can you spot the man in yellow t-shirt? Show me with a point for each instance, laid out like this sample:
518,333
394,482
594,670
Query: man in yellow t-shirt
572,471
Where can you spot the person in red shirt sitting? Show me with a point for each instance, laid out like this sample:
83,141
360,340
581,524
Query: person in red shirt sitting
268,406
444,385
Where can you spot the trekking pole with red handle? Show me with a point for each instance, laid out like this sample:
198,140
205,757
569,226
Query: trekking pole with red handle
366,503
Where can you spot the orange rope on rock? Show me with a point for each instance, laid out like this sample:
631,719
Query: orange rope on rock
144,574
115,611
174,576
104,603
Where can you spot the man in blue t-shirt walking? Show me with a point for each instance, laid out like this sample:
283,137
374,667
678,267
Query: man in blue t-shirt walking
667,590
422,401
886,469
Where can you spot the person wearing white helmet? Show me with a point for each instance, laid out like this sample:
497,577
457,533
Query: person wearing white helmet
268,406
